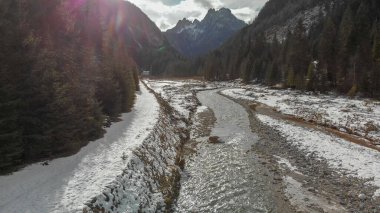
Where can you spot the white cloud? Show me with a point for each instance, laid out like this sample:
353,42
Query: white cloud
166,13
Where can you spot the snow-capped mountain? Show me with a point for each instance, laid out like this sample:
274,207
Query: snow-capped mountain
196,38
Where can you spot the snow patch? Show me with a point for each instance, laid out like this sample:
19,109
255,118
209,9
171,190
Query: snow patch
303,200
356,160
361,117
286,162
177,93
201,109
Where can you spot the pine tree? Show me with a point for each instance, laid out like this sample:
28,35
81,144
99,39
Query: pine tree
326,51
310,77
376,42
291,82
298,53
14,78
345,47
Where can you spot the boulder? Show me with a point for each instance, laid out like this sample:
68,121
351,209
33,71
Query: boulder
214,139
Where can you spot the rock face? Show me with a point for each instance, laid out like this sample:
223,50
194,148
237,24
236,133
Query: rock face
193,39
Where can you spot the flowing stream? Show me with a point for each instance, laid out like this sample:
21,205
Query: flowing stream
226,177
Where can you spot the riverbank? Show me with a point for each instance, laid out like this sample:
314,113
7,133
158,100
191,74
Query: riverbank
150,180
66,184
311,180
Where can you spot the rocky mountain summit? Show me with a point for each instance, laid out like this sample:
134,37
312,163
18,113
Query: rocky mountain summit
196,38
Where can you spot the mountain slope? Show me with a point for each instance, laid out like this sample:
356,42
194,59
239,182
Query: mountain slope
197,38
143,39
308,45
147,44
67,69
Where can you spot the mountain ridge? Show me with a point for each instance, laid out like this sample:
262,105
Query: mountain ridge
197,38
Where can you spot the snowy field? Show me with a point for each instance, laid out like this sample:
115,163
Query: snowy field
349,158
66,184
177,93
360,117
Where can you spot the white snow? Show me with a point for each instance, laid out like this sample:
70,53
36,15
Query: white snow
142,186
286,162
177,93
192,30
304,200
67,183
309,18
361,117
353,159
201,109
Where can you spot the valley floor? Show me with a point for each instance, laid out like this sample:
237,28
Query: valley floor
322,150
278,151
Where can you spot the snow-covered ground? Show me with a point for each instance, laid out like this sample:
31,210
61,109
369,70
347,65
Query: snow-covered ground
149,180
358,116
350,158
177,93
66,184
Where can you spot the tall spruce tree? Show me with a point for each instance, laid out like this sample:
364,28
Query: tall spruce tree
326,51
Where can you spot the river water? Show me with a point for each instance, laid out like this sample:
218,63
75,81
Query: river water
226,177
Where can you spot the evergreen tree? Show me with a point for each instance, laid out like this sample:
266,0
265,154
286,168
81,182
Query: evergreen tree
376,42
298,55
326,51
345,47
310,77
61,74
14,78
291,82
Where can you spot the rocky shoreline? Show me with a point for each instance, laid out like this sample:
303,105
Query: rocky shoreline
329,191
301,180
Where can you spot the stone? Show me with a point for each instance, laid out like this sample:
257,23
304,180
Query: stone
362,197
214,139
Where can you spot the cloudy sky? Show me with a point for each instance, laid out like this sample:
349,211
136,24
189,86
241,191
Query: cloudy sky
166,13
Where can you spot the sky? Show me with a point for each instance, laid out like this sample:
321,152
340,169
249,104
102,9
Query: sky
166,13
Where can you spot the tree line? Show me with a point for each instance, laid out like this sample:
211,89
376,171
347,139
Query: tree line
65,73
340,51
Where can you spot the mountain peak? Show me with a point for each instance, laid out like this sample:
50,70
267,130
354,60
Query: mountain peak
211,10
219,14
197,38
183,23
222,10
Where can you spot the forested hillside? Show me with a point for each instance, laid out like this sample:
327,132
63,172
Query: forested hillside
145,42
307,45
66,70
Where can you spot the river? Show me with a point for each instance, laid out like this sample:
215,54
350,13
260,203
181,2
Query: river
226,177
